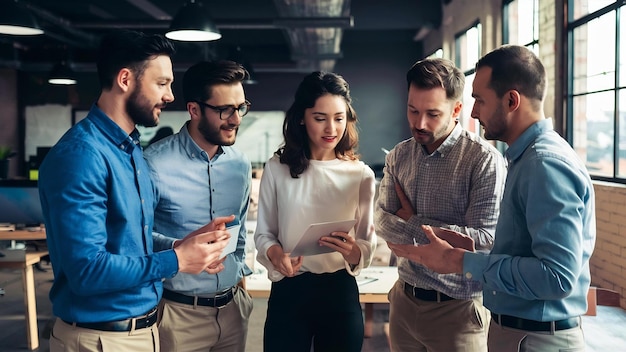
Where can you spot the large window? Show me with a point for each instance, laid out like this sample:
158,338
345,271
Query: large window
438,54
467,52
520,23
596,86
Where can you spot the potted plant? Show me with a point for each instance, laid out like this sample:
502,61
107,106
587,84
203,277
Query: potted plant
5,154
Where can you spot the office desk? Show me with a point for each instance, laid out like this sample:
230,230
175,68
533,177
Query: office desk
22,235
374,284
20,259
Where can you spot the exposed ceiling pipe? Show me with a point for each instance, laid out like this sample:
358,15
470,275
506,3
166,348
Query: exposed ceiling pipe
287,22
87,39
309,44
45,67
151,9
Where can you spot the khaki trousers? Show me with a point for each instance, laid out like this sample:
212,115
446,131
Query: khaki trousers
504,339
420,326
68,338
185,328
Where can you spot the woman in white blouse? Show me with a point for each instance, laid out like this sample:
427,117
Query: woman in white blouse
315,177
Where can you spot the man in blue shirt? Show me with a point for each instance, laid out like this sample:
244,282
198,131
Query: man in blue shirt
98,204
199,176
536,278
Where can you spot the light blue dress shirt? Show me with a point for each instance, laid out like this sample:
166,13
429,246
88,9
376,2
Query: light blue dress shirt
98,201
193,190
538,268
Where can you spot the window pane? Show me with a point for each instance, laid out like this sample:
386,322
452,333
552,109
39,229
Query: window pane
466,119
622,51
585,7
437,54
593,131
468,48
621,166
523,27
473,48
594,61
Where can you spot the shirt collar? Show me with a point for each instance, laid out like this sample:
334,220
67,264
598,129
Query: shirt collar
113,131
190,145
449,142
516,149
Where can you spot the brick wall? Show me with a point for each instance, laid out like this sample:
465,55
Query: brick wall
608,262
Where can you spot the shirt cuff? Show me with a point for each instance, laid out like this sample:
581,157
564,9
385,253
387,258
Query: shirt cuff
473,266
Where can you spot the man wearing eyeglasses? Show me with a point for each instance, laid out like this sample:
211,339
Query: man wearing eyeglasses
199,176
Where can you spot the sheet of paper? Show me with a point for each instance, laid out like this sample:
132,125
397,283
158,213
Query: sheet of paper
308,244
232,241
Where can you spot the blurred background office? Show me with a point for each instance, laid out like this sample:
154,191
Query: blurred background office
371,43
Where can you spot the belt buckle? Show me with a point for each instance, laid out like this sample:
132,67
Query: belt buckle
151,317
144,321
220,296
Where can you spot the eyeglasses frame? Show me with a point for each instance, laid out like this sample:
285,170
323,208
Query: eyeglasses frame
221,109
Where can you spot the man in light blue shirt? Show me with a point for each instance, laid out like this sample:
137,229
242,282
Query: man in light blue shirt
198,176
536,278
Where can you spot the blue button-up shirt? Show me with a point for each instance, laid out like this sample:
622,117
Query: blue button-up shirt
191,191
539,265
98,200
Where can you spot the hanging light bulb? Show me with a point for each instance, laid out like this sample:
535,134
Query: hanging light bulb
17,20
193,23
62,74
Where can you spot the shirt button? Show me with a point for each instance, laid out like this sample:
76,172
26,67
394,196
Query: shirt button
493,293
138,172
142,200
145,227
468,275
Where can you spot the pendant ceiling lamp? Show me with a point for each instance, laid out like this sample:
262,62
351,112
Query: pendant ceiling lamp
62,74
15,19
193,23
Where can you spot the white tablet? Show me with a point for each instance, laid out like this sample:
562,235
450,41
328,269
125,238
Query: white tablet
308,244
232,241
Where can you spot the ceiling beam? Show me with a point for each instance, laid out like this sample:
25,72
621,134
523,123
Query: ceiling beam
151,9
283,22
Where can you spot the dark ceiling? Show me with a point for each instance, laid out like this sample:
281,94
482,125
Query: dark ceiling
274,35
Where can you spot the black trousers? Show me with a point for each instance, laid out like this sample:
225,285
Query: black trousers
318,309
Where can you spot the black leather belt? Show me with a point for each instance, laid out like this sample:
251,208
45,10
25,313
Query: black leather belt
533,325
426,295
219,301
144,321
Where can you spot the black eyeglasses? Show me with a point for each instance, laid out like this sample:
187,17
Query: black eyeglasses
227,111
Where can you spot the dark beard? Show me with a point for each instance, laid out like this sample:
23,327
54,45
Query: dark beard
212,134
139,109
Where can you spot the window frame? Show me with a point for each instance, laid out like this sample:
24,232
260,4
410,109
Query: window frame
571,25
471,124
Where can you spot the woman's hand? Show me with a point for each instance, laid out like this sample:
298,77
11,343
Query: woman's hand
344,244
282,262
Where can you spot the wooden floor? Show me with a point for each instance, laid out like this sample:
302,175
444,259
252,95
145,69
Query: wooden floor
604,332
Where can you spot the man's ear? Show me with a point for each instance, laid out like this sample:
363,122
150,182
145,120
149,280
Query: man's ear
123,79
514,99
456,109
193,109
